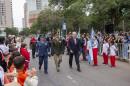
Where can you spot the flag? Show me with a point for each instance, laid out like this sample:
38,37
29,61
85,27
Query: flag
79,33
92,34
90,44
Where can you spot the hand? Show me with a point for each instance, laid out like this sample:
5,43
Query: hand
71,51
33,72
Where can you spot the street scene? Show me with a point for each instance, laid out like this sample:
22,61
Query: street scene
64,43
103,75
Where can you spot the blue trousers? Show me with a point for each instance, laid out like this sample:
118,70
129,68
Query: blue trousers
45,59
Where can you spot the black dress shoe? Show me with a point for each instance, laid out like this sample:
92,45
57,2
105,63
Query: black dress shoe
78,70
45,72
39,67
71,67
58,70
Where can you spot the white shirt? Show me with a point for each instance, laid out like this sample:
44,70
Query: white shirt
4,48
95,44
2,75
105,48
113,50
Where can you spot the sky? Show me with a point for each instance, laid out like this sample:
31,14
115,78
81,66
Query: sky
18,12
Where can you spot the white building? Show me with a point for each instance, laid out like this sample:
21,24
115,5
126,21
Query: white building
6,16
31,10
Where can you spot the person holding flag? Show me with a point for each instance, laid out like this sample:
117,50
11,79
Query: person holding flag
95,47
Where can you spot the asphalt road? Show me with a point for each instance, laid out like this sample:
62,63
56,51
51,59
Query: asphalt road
90,76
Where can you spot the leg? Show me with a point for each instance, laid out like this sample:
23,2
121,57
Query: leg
70,60
56,61
46,64
95,53
33,52
113,61
77,61
84,53
60,60
68,51
84,58
104,60
40,62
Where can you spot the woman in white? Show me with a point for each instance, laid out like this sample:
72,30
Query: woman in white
105,51
95,51
113,50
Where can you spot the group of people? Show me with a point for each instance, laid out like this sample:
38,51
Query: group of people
89,47
15,57
14,63
45,47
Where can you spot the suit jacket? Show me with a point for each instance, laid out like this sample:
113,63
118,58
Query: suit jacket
74,47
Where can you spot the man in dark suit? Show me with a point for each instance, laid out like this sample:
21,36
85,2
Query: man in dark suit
74,46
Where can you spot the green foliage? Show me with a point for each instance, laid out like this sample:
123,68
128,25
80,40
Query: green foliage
25,32
83,14
48,20
11,31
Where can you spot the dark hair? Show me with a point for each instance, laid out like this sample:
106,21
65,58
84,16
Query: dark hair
23,45
14,54
106,39
19,62
112,42
2,39
3,64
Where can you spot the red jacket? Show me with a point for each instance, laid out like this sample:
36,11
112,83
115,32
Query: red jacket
24,52
33,40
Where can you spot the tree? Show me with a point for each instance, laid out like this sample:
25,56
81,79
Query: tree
11,31
48,20
101,12
25,31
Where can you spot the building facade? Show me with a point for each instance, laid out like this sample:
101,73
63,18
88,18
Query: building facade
32,9
6,16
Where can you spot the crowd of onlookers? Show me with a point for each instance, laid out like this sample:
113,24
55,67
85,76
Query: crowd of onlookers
14,63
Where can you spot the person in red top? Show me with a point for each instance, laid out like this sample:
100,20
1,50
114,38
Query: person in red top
33,46
24,52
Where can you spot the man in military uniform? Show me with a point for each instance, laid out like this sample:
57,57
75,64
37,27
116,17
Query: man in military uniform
42,49
57,50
